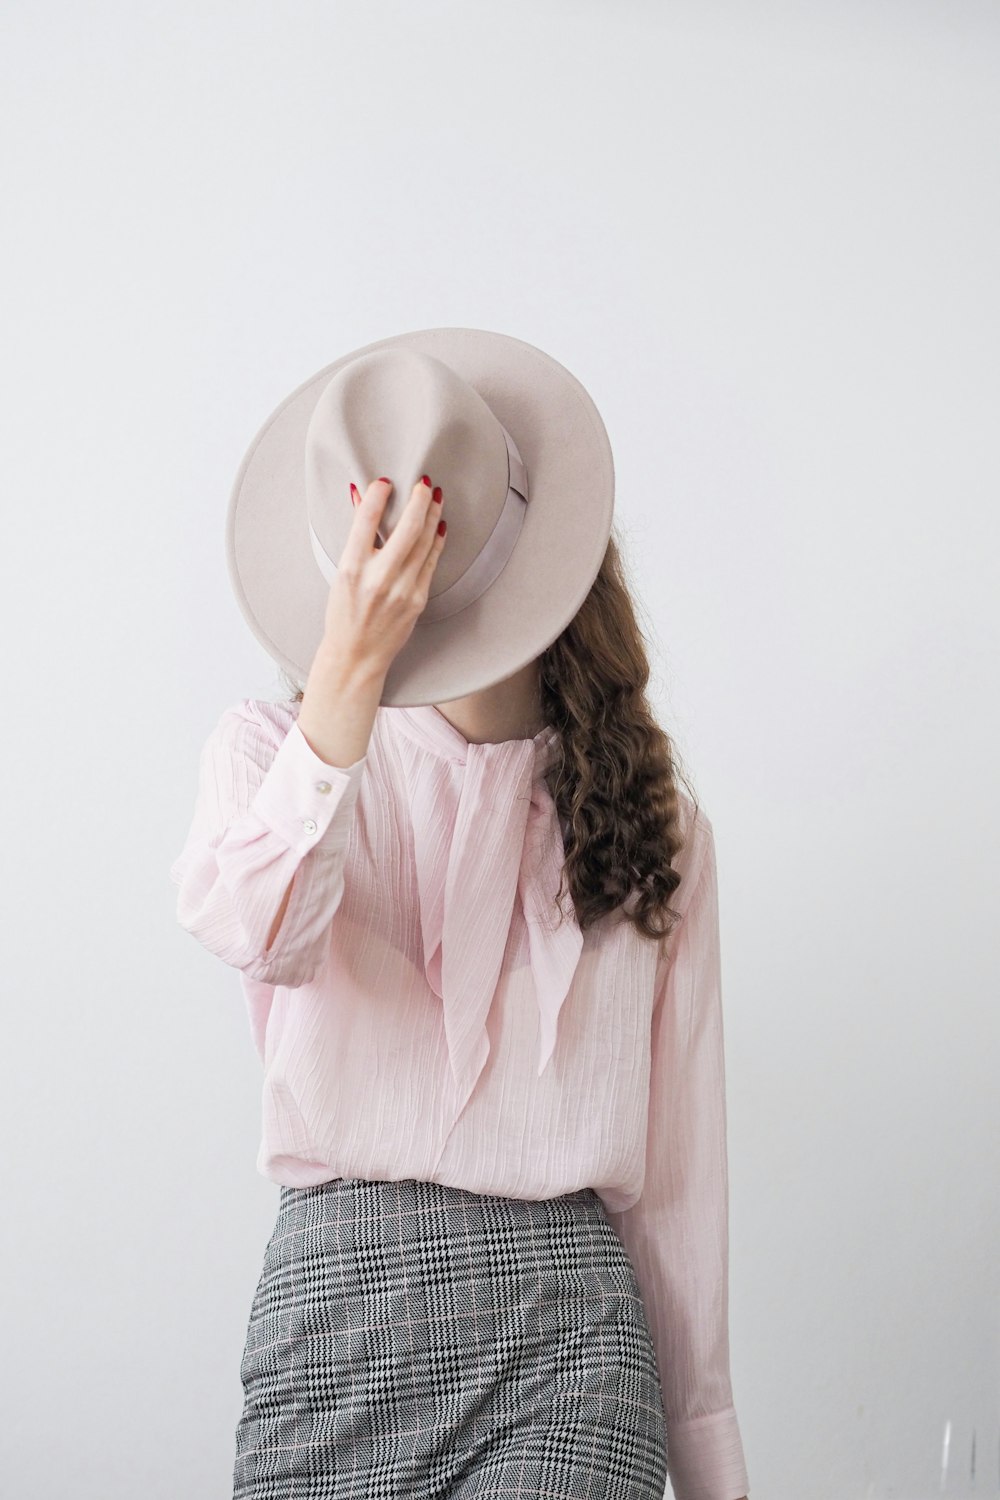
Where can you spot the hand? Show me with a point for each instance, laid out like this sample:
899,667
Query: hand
380,592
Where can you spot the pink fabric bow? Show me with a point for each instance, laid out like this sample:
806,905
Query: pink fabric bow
485,834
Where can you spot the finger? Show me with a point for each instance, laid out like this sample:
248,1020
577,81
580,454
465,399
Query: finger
421,550
363,535
409,529
430,561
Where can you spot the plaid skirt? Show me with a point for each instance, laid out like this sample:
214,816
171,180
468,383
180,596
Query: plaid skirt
409,1339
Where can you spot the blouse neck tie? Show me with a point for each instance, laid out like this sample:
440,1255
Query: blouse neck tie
505,844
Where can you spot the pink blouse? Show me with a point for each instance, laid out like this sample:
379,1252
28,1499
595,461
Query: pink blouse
423,1012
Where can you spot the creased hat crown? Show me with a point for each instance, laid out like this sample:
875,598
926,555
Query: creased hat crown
403,413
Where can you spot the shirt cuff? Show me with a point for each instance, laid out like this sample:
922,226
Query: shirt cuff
705,1458
301,793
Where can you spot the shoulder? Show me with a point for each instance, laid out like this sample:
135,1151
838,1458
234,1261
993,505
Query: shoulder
694,863
256,728
249,723
277,714
698,834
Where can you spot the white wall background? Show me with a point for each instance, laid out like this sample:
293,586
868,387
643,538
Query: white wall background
766,237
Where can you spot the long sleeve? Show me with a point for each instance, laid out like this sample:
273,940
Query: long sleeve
269,811
677,1233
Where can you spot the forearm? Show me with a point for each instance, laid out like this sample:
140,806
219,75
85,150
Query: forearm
339,705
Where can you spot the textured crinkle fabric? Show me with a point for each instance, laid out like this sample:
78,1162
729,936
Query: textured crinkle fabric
426,1011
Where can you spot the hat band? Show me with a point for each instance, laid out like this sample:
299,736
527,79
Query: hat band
492,558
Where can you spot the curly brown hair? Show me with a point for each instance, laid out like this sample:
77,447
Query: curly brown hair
614,777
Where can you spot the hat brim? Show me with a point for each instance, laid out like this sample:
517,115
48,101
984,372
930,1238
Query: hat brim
563,539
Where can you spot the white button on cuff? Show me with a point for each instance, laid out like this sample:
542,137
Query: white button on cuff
308,825
322,786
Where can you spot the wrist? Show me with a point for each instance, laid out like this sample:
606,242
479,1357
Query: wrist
346,671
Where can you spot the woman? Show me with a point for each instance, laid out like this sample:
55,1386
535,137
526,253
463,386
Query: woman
499,1264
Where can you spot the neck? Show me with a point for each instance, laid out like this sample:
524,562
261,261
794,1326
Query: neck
509,710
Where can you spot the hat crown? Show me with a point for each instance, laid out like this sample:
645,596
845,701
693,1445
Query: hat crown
403,413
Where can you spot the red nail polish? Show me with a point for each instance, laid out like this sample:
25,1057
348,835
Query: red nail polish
437,493
382,479
425,480
442,527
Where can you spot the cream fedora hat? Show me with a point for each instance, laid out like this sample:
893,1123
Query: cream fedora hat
524,461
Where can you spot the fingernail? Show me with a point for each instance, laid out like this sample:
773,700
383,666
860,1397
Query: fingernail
437,493
383,480
355,491
425,480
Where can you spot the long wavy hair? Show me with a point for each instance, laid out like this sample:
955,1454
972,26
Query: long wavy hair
614,778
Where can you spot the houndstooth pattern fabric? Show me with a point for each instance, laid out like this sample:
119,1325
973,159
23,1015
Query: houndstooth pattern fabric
410,1339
